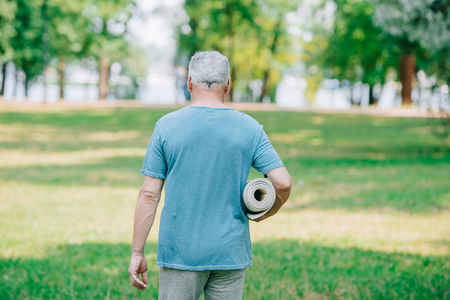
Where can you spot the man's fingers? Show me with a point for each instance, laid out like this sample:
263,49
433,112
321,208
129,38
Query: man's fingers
138,265
145,277
137,286
136,282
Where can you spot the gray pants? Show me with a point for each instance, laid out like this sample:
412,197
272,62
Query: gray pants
188,285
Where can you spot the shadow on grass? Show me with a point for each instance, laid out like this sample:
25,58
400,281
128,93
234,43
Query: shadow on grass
76,173
393,157
415,200
282,269
68,130
87,119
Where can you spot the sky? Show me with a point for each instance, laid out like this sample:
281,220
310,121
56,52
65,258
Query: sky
155,31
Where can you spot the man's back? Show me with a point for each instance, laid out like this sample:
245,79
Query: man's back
205,155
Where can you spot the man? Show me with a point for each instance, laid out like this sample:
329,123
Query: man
204,153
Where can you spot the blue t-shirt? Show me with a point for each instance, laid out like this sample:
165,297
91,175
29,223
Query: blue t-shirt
205,155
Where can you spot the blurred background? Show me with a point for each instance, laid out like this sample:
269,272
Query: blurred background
295,53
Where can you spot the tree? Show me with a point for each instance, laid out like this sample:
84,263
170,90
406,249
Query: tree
7,14
355,49
27,39
416,26
273,37
133,71
248,32
108,23
218,25
68,34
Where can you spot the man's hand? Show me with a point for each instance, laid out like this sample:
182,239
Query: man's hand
138,265
282,183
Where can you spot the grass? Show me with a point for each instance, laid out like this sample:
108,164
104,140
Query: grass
368,217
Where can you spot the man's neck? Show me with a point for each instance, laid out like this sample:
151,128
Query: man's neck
208,102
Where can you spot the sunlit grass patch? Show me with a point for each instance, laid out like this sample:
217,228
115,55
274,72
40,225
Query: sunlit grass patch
17,158
111,136
295,137
386,232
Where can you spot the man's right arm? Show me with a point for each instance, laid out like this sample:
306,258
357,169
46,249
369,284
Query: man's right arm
282,183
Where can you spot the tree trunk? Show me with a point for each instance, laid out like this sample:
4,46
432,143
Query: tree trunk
103,77
407,70
16,79
371,97
27,85
264,85
61,77
2,87
45,92
273,49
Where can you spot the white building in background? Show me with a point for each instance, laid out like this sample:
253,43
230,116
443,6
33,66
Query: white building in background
331,96
388,95
81,85
159,88
162,86
360,94
290,92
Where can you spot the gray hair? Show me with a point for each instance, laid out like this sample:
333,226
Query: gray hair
209,67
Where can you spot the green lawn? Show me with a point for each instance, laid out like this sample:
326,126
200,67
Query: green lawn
368,217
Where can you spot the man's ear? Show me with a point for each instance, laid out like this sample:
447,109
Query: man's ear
189,84
228,87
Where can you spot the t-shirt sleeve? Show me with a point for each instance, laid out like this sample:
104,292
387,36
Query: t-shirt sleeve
154,162
265,157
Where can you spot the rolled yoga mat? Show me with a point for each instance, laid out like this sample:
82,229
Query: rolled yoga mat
259,197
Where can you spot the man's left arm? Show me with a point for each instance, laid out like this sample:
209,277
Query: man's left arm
149,196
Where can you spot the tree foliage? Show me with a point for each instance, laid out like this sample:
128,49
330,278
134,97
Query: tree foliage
369,38
27,40
38,33
419,27
7,14
415,22
354,48
366,39
69,35
420,30
250,33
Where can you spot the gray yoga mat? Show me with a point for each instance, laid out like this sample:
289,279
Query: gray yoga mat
259,197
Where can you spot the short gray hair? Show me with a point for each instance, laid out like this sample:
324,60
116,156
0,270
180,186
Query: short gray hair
209,67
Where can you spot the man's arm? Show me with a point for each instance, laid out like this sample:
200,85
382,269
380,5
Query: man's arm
282,183
149,196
